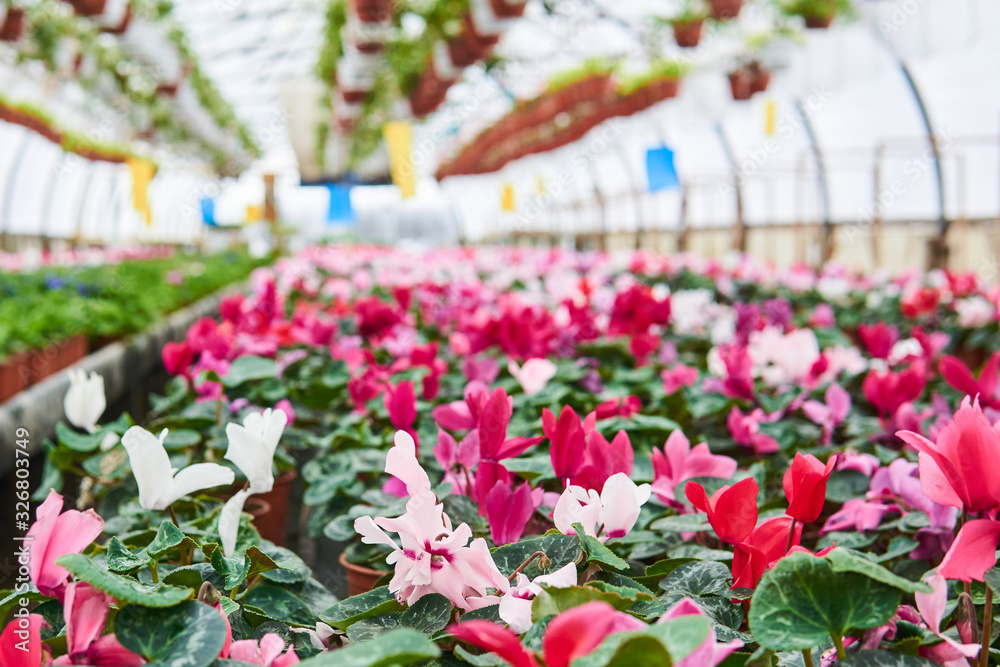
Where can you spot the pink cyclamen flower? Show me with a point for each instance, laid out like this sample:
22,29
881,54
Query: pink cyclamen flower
432,557
515,605
959,376
270,652
284,405
484,369
570,635
85,610
534,375
830,414
745,430
858,514
932,608
711,651
508,511
458,459
960,468
607,515
678,376
678,462
21,644
56,534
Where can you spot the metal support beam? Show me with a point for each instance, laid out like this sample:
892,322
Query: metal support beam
827,244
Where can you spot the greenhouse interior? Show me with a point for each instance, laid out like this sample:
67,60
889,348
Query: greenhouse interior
378,333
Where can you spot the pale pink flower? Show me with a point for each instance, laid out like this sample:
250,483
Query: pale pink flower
534,375
679,461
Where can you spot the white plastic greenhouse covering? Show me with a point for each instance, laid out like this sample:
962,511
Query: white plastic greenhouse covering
851,128
45,191
848,121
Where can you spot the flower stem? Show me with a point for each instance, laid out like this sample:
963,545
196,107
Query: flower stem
525,564
838,642
807,657
984,652
791,536
153,573
173,516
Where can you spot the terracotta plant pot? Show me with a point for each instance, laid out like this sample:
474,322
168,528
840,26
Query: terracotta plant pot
360,579
12,28
353,96
740,82
274,525
375,11
505,9
122,26
15,375
663,89
256,508
89,7
818,22
687,34
760,78
723,10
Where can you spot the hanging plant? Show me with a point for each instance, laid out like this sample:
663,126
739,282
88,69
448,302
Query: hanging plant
688,24
818,14
12,23
748,80
508,8
723,10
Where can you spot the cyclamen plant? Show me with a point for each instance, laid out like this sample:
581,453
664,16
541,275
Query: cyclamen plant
549,459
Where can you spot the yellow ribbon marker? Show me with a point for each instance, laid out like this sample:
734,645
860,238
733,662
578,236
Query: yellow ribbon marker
399,142
255,213
770,118
507,198
142,172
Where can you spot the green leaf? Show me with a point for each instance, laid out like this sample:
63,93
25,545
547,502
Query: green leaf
552,601
370,628
597,552
121,560
646,604
682,523
78,442
281,605
122,589
846,484
884,659
290,568
232,568
660,644
397,648
845,560
168,538
992,579
347,612
246,369
428,615
191,634
898,546
560,549
698,579
179,438
802,601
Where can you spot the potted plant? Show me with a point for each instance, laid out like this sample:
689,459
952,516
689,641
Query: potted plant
749,79
15,373
723,10
12,22
688,24
818,14
89,7
508,8
373,10
590,81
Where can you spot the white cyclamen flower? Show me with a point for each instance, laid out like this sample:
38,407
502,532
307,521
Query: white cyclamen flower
159,483
229,520
251,446
84,403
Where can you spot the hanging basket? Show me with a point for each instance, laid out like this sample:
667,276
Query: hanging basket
723,10
89,7
739,83
818,22
687,34
13,24
507,8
